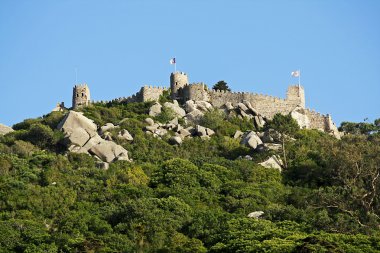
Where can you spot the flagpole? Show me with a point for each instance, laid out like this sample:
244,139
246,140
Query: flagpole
76,76
175,64
299,83
299,79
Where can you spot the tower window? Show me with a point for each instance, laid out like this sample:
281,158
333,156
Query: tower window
82,94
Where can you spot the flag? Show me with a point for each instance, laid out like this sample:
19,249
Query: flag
296,73
172,61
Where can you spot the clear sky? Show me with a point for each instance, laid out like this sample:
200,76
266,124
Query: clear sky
120,45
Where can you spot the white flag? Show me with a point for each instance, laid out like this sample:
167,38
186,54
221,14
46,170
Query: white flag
296,73
172,61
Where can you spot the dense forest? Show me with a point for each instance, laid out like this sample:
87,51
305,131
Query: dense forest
193,197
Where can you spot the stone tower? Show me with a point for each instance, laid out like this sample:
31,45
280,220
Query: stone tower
81,95
296,95
178,80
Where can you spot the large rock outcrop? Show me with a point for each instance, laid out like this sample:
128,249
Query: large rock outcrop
194,116
108,151
251,139
177,110
271,136
196,110
77,128
107,127
155,109
202,106
124,134
5,129
244,110
81,136
204,132
273,162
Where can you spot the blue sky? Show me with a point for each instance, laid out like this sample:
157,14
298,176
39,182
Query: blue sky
118,46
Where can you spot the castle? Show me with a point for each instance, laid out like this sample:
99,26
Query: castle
182,90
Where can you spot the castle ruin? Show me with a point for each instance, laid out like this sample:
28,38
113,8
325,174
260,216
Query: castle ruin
182,90
81,95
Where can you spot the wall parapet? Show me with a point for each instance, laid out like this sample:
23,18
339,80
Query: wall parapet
182,90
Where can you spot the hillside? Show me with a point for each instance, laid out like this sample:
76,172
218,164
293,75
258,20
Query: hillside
129,177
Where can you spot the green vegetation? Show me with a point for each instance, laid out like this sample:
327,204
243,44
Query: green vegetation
189,198
165,97
221,85
361,127
286,126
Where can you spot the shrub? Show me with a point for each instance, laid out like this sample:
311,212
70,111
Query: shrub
81,160
23,148
166,115
26,124
217,121
40,135
53,119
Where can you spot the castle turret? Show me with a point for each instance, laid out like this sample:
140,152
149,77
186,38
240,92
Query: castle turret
81,95
178,80
296,95
195,91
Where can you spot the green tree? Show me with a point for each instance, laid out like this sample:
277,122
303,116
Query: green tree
221,85
359,128
217,121
377,122
23,148
42,136
5,165
286,126
166,115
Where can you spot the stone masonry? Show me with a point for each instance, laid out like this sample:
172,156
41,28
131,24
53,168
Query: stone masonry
81,95
183,91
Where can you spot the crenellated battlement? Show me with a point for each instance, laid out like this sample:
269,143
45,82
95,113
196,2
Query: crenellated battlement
193,91
312,112
248,94
197,84
81,85
320,121
158,88
150,93
182,90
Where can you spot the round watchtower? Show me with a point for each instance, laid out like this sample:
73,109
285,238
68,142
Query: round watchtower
81,95
178,80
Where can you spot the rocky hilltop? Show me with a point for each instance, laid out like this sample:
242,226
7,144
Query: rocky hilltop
187,176
82,135
183,91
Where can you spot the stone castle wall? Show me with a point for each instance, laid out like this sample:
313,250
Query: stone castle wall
321,122
267,106
146,93
129,99
150,93
316,120
195,91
